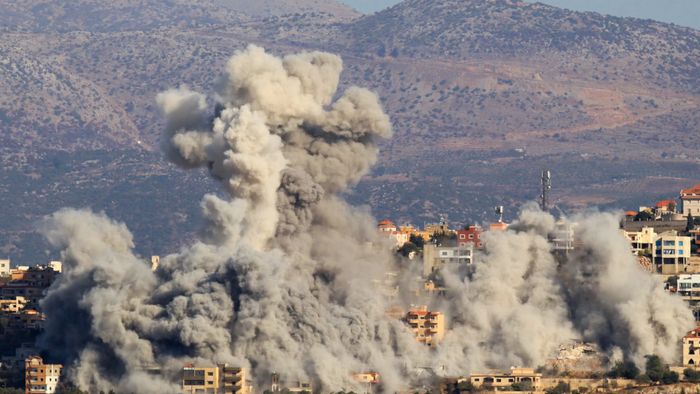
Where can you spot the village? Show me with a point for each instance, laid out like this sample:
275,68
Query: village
664,239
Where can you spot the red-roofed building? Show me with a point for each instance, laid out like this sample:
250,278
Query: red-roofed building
386,226
631,213
470,235
690,199
665,206
691,349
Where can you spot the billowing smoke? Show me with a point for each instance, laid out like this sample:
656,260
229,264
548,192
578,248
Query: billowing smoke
286,277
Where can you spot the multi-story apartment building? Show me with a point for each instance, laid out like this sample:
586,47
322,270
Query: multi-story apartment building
222,379
690,199
41,378
641,241
428,327
671,252
435,257
234,380
203,380
13,304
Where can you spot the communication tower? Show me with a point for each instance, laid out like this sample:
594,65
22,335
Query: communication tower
546,183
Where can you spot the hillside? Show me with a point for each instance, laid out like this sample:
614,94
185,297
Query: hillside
483,95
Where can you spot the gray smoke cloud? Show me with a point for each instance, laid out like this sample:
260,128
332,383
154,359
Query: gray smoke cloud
286,277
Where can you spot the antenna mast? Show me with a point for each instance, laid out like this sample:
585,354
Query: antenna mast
546,183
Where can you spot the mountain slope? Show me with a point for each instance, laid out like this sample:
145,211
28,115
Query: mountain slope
482,95
666,55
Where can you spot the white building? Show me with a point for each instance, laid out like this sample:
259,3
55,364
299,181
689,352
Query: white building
690,198
435,257
689,285
4,267
56,266
563,239
671,252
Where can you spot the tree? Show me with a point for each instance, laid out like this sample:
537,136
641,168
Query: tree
643,216
406,249
673,281
691,375
560,388
669,377
655,368
624,369
417,240
643,379
522,386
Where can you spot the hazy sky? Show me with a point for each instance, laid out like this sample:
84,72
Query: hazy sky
680,12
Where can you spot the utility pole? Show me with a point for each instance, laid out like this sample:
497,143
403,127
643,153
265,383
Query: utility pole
546,183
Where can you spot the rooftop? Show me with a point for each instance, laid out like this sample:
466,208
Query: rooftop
693,191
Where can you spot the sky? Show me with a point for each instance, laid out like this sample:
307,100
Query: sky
680,12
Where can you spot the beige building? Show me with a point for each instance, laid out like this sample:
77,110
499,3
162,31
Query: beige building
428,327
436,257
523,376
671,252
641,241
155,262
13,305
234,380
200,380
691,349
222,379
40,378
690,199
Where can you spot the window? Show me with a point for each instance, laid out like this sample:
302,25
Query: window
461,236
471,236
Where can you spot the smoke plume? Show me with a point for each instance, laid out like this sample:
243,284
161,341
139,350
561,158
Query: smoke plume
286,277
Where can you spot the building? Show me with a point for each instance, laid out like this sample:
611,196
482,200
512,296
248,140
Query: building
389,229
438,228
671,252
12,305
222,379
37,276
412,230
234,380
435,257
428,327
642,242
366,377
689,285
4,267
367,380
563,238
690,201
40,378
498,226
691,349
203,380
470,235
155,262
665,206
522,376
